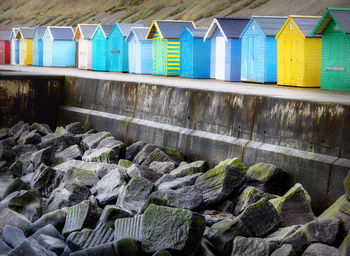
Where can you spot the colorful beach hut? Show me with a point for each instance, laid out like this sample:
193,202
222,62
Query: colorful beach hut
59,47
38,51
140,51
5,46
100,51
83,35
118,47
335,64
25,37
225,60
194,54
299,55
259,49
14,47
166,45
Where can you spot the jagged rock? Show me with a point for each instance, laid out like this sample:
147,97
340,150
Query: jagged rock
268,178
10,217
284,250
25,129
243,246
129,247
4,248
46,138
106,155
212,216
14,129
72,152
207,248
187,198
52,244
219,183
56,218
48,230
180,182
125,163
92,141
226,206
162,167
109,187
282,233
13,236
45,179
9,142
318,231
235,162
344,248
133,150
16,185
16,168
143,171
157,155
294,207
60,131
23,149
332,210
4,133
32,137
118,147
319,250
43,129
31,247
134,194
44,155
111,212
110,249
248,196
67,194
129,228
82,215
153,199
343,215
6,179
60,143
189,169
346,183
161,226
5,202
165,178
85,177
7,154
75,128
143,153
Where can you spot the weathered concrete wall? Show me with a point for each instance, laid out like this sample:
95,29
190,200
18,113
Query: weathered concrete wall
310,140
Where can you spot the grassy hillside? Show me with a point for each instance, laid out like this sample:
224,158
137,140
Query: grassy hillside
71,12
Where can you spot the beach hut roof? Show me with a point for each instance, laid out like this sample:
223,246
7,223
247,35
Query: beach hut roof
341,16
106,29
5,34
40,31
26,33
13,33
169,28
61,33
269,25
229,27
306,24
85,30
125,28
140,33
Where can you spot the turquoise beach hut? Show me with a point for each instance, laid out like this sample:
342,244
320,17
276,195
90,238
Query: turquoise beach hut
118,47
259,49
38,50
140,51
225,57
194,54
100,51
59,47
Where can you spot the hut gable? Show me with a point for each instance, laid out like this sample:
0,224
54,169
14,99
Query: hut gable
25,33
61,33
14,32
195,32
168,29
229,27
304,24
105,30
5,34
85,31
341,16
126,28
39,32
139,33
268,25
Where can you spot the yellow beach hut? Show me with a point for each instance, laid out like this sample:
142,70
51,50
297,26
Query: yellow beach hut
25,37
299,54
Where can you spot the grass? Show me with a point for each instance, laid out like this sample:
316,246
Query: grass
257,3
178,10
146,12
47,20
240,7
213,9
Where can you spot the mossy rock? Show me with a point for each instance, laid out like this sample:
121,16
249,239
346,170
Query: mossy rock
347,185
331,211
162,253
344,248
60,131
233,162
125,163
128,247
154,199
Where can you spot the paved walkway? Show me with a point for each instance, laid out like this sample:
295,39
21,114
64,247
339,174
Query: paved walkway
308,94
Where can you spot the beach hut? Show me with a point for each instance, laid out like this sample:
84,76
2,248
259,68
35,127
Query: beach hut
118,47
100,51
59,47
83,35
5,46
259,49
299,55
166,45
140,51
25,37
38,46
335,64
194,54
14,47
225,60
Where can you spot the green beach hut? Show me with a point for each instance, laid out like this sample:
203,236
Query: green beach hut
335,65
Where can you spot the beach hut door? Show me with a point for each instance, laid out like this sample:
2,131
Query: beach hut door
220,58
335,66
290,60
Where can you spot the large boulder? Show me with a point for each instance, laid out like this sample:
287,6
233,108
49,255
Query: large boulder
32,137
129,228
143,171
111,212
59,143
31,247
85,177
189,169
158,155
60,131
162,167
106,155
284,250
75,128
219,183
343,215
13,236
243,246
332,210
15,128
44,155
56,218
133,150
4,133
180,182
235,162
72,152
45,179
344,248
318,249
10,217
143,153
118,147
25,129
92,141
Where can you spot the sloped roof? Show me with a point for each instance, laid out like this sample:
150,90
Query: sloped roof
14,32
198,32
87,30
5,34
306,25
125,28
27,33
169,28
106,28
40,31
341,17
139,32
270,25
62,33
229,27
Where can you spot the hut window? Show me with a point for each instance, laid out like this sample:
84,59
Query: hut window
253,27
290,26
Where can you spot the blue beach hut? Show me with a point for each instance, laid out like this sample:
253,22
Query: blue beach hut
100,51
14,47
225,60
259,49
59,47
38,46
140,51
194,54
118,47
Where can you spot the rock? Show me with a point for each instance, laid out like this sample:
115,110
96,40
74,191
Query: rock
75,128
282,233
24,155
46,138
43,129
213,216
346,183
84,177
56,218
332,210
45,179
48,230
162,253
72,152
318,231
133,150
10,217
60,143
344,248
162,167
294,207
106,155
92,141
129,247
243,246
180,182
5,202
6,179
153,199
109,187
187,198
25,129
24,149
4,133
16,185
165,178
16,169
31,247
118,147
14,129
9,142
52,244
248,196
111,212
143,153
60,131
343,215
13,236
268,178
143,171
135,194
4,248
319,250
157,155
44,155
67,194
32,137
219,183
7,154
235,162
162,226
207,248
129,228
226,206
110,249
284,250
82,215
189,169
125,163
